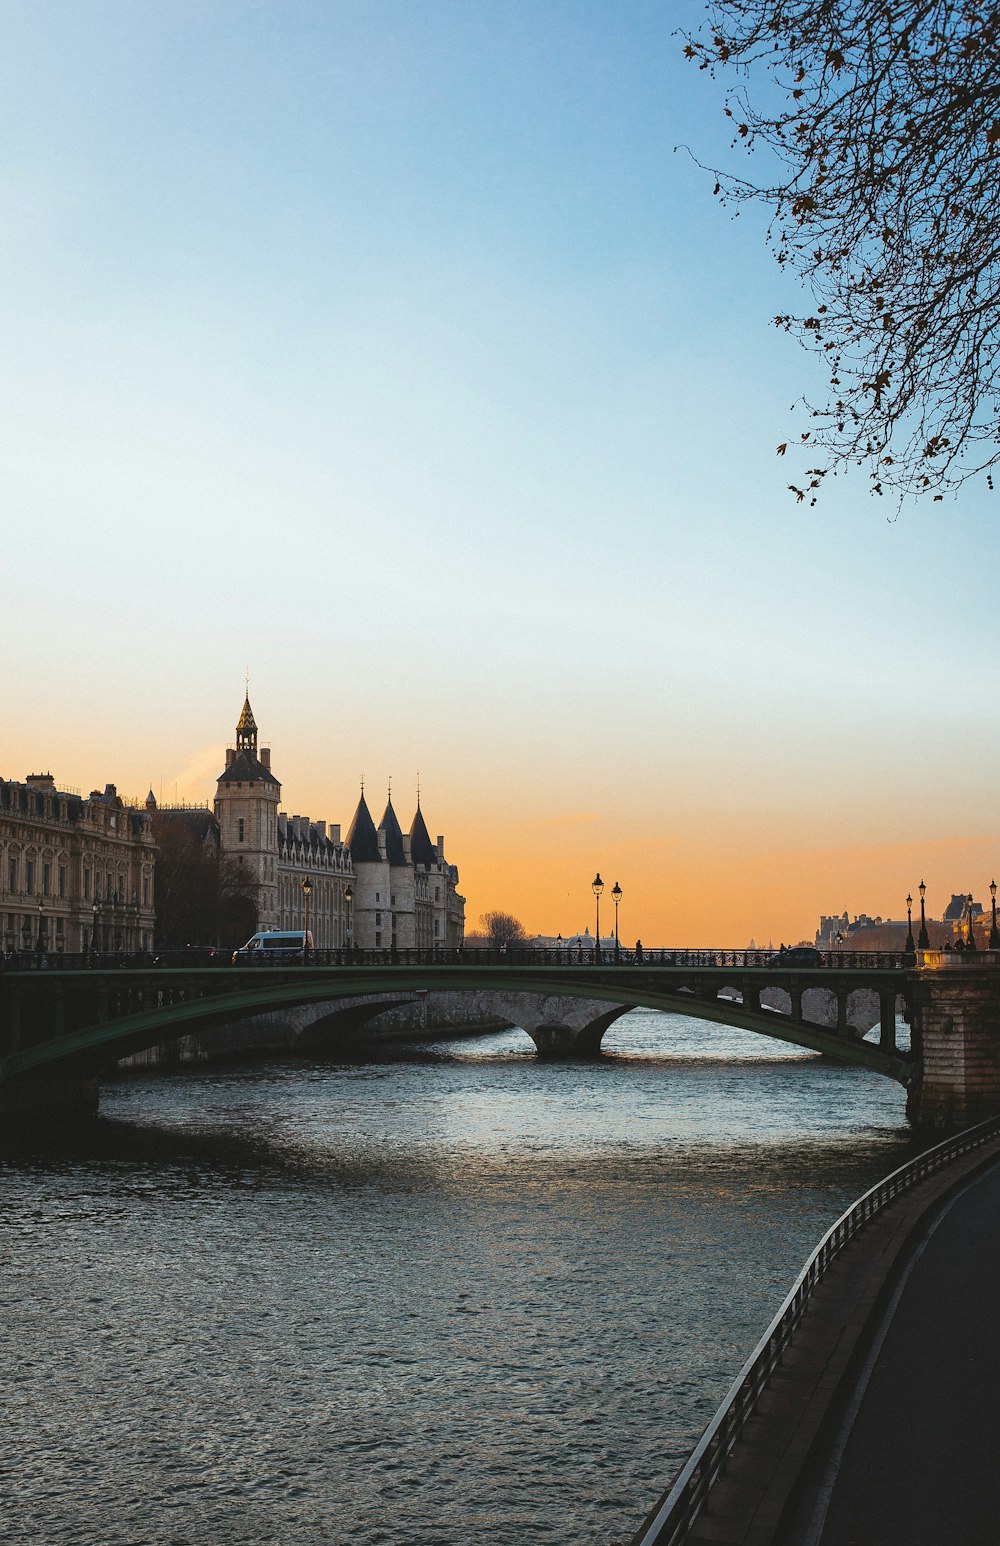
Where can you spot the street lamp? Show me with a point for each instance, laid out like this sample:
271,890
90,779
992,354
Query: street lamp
598,887
923,940
306,894
616,892
349,898
994,932
972,938
39,945
909,925
94,937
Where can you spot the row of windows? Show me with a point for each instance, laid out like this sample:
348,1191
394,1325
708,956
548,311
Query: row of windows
35,876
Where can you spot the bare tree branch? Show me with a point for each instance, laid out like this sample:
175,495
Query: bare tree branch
882,120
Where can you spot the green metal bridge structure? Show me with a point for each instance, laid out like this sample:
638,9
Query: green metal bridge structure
67,1020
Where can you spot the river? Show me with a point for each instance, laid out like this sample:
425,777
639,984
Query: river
446,1295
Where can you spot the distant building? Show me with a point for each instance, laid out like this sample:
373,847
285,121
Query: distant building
75,873
863,932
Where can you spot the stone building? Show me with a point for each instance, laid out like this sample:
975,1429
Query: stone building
75,873
378,888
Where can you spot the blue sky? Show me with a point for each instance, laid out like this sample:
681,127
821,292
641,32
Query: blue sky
393,351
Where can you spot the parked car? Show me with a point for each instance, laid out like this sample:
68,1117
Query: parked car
269,946
798,955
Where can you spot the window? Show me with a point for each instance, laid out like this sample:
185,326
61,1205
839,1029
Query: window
240,838
378,941
29,877
12,875
62,880
145,891
378,920
46,879
86,885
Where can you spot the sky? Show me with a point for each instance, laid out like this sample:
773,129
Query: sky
396,354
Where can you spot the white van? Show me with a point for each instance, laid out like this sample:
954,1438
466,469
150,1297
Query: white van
273,945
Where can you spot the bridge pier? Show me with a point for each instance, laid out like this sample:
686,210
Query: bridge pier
956,1041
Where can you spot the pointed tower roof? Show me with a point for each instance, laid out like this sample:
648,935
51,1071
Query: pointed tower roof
422,850
151,800
362,839
246,729
393,835
245,766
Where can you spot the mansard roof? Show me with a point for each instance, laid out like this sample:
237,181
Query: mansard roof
393,835
247,768
362,839
422,850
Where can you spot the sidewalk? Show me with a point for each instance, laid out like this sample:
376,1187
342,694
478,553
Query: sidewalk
920,1462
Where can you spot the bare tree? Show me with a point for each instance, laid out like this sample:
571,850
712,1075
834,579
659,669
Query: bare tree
879,121
502,929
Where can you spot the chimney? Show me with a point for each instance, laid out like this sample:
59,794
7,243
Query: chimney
440,849
320,829
406,848
230,754
381,842
265,756
335,832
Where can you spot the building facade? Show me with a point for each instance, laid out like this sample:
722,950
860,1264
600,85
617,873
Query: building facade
378,888
76,874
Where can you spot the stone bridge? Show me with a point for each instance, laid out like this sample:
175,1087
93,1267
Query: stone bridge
65,1020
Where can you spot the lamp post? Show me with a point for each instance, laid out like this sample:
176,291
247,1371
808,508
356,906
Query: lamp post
94,937
972,938
994,932
616,892
910,951
923,941
349,899
39,943
306,894
598,887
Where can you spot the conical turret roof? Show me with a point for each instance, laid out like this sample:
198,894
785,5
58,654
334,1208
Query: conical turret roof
362,839
393,835
422,850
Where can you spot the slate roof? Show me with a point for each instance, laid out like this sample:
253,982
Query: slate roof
422,850
247,768
362,838
393,835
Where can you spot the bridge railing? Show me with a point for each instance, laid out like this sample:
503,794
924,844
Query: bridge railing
672,1519
586,958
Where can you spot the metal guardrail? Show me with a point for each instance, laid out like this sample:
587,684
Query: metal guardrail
512,955
670,1522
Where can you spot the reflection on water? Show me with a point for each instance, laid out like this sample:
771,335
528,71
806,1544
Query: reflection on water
450,1292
